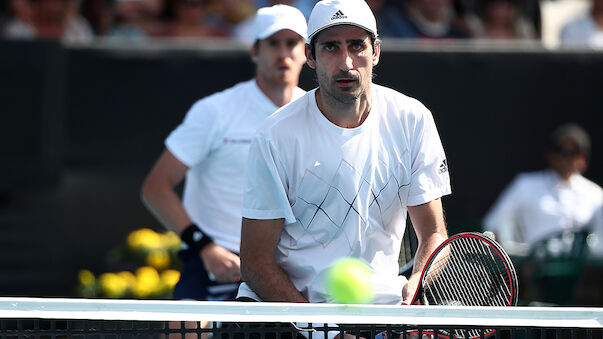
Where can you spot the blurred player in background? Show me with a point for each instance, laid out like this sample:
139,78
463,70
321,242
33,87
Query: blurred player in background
334,173
210,148
540,205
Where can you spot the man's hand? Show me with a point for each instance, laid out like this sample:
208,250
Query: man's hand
409,290
224,265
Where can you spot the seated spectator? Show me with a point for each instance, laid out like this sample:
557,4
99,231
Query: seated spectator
530,12
188,19
383,14
425,19
51,19
77,28
228,14
586,31
100,14
501,20
129,20
20,23
541,205
153,9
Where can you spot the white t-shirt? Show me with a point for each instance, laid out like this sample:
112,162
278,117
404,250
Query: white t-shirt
213,141
582,32
344,191
538,205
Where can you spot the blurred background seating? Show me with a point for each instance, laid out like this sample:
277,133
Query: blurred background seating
83,21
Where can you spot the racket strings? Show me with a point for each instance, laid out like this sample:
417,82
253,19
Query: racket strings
439,283
472,274
468,270
486,267
465,294
448,288
469,273
461,275
502,275
491,269
442,285
477,272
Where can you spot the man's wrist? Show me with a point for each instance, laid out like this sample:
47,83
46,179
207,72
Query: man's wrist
194,238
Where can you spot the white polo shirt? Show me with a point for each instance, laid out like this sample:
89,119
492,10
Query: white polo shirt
213,141
537,205
344,191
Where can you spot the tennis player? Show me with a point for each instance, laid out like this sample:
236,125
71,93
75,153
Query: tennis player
334,173
210,148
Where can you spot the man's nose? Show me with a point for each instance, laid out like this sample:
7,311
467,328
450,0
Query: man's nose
346,63
284,51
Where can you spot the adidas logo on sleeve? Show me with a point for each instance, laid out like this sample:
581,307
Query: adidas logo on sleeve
443,167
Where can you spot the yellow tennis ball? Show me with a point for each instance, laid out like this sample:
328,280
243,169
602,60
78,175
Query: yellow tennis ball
348,282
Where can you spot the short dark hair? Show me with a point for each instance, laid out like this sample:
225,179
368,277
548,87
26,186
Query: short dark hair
573,132
374,41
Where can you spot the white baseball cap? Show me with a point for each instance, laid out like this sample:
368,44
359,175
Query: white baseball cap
329,13
270,20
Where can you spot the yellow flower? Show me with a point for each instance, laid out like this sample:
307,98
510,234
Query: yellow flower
129,278
171,241
147,282
86,278
169,278
158,259
144,238
113,285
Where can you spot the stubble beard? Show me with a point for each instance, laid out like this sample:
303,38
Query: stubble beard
341,96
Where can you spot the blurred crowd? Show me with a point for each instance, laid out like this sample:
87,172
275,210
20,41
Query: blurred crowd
82,21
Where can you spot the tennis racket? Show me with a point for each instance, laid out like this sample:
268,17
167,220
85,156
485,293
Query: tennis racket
468,269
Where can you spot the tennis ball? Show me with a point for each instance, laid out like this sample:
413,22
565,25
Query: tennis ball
348,282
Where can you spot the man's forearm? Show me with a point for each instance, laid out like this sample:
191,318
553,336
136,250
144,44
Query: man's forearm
167,207
259,240
159,196
430,227
425,249
270,283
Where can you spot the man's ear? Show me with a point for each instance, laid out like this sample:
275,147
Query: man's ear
309,59
377,53
254,53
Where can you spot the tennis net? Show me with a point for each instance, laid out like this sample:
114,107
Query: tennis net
100,318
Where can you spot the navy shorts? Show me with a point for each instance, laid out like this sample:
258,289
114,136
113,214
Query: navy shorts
194,283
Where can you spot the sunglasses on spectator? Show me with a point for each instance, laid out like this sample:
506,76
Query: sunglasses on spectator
567,152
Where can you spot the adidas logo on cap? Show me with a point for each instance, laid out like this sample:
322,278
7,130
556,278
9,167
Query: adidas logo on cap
327,13
339,15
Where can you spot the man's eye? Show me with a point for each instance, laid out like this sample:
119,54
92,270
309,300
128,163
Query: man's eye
357,47
329,48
